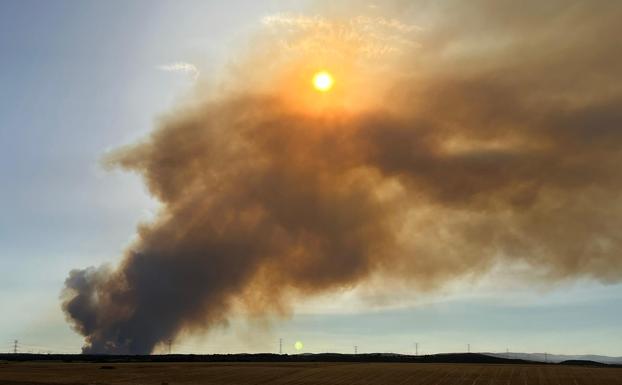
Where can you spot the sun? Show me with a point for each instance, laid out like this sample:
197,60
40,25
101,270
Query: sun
323,81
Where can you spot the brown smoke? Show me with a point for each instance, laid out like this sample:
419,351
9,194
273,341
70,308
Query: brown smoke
495,136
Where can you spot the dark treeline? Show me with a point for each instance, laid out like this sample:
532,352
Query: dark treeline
267,357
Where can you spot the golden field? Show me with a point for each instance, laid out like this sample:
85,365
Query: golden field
32,373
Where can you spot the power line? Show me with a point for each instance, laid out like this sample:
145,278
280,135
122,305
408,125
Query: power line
30,347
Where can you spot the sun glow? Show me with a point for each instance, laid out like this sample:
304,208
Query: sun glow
323,81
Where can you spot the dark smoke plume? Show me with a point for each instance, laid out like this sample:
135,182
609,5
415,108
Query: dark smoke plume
496,137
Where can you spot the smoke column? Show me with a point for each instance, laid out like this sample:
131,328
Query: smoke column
462,135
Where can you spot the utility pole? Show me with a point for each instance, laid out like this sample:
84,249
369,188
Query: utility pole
280,346
15,346
546,357
169,343
416,348
356,349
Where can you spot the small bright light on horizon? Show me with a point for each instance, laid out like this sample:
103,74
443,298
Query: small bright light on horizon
298,345
323,81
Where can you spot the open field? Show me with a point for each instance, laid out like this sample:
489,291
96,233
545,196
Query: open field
33,373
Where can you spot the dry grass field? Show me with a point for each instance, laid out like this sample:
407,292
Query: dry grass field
301,373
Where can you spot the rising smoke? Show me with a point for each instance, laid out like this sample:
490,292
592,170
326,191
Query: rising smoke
477,132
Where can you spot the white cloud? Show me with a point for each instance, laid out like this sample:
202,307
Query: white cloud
183,67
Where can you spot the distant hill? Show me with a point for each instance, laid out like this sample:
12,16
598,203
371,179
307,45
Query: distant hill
583,363
558,358
266,357
453,358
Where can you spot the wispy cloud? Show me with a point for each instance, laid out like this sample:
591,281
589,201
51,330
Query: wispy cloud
183,67
366,36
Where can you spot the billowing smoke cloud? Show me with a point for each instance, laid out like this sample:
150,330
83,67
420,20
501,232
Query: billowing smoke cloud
495,137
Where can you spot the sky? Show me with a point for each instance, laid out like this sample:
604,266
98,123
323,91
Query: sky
80,79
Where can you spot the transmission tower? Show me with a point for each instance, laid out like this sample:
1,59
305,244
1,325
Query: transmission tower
356,349
15,343
170,344
468,348
280,346
416,348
